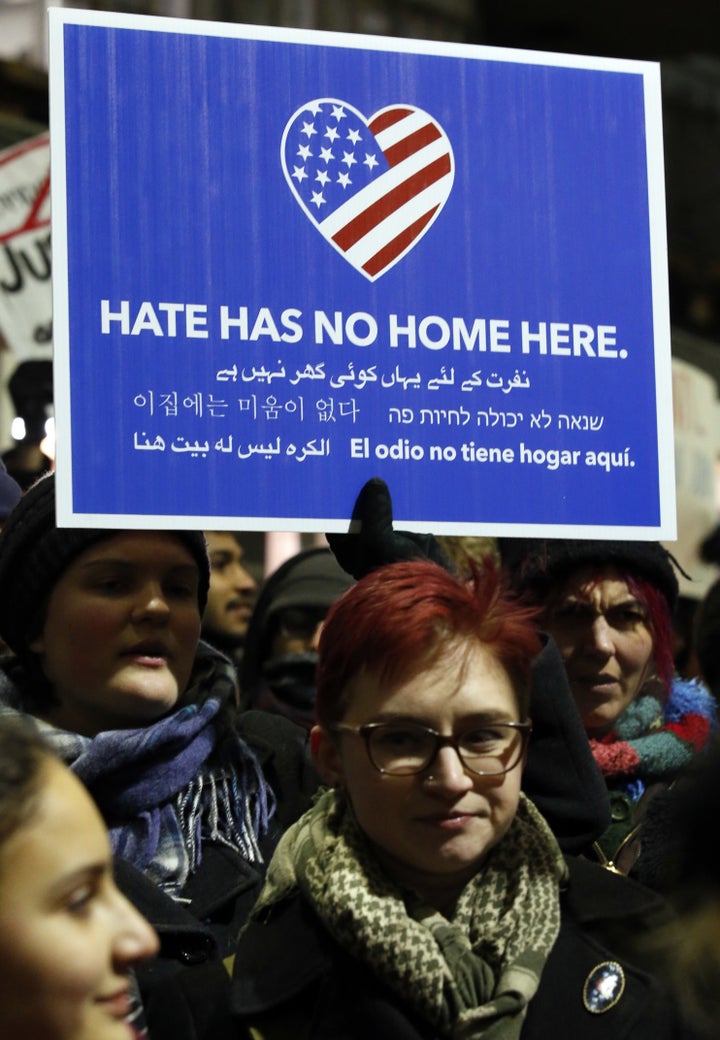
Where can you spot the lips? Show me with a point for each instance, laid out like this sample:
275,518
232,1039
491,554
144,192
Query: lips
150,652
116,1004
602,681
449,821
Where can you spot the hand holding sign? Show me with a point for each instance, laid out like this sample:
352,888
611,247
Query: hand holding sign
376,543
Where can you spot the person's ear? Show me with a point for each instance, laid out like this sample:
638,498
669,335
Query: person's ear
326,756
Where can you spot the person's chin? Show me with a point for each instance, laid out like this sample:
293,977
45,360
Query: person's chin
236,634
597,708
598,723
460,842
100,1023
229,636
111,1029
148,699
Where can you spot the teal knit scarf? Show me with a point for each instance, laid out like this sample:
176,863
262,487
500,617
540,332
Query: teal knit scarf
655,739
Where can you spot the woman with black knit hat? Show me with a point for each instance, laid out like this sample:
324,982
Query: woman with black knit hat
608,605
104,630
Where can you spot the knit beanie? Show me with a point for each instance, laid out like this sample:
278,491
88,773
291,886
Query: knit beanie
537,565
35,552
312,579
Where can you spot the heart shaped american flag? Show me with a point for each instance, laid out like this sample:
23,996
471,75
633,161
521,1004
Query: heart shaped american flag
372,187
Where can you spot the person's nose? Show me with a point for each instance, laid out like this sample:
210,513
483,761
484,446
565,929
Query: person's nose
600,637
314,641
151,603
243,581
135,938
447,774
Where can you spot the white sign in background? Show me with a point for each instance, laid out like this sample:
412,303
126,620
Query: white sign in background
697,447
288,261
25,250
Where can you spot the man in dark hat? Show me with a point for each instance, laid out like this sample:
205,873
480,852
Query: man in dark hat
278,667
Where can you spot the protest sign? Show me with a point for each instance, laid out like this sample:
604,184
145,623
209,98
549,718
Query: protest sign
288,261
25,268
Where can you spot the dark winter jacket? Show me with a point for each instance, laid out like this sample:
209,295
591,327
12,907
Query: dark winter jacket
561,777
291,980
221,893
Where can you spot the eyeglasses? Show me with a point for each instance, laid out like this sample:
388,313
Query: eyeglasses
406,748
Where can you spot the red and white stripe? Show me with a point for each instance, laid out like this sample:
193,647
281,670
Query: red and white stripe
378,225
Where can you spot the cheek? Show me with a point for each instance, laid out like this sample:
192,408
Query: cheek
76,639
283,644
186,627
44,992
188,622
637,651
379,803
509,793
82,621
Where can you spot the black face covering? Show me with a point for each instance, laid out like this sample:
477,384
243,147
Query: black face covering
291,678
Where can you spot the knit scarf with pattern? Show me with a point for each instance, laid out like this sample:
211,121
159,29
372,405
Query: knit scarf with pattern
165,788
654,739
470,976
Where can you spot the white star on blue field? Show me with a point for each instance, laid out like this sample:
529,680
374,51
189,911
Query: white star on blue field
330,154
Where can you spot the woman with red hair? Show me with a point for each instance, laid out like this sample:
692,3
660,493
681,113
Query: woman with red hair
608,605
423,895
605,608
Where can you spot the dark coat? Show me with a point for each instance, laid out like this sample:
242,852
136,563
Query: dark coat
221,893
291,980
561,776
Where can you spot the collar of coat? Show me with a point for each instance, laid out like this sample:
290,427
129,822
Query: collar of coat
288,949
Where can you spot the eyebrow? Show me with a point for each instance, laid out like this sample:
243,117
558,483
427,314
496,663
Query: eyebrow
574,597
86,872
123,564
473,718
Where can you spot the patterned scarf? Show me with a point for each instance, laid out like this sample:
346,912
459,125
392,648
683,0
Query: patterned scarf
165,788
655,741
471,976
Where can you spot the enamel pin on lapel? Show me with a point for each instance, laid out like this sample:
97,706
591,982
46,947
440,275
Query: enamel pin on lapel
603,987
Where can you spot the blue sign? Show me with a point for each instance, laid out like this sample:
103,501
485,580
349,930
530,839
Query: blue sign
286,261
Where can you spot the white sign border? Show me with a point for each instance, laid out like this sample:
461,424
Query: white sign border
58,18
